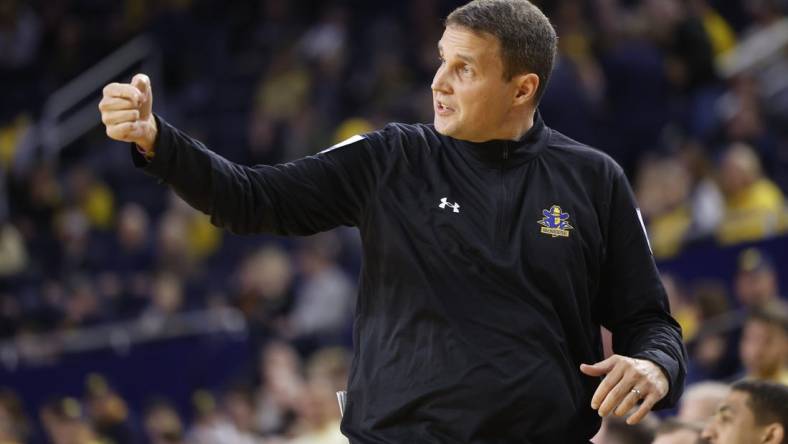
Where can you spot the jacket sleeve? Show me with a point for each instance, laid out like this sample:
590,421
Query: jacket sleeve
309,195
634,305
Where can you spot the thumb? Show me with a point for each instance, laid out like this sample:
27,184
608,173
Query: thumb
142,83
601,368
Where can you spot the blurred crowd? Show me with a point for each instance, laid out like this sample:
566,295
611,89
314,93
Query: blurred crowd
691,97
290,401
728,340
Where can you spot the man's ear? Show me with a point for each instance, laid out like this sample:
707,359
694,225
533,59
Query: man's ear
773,434
527,85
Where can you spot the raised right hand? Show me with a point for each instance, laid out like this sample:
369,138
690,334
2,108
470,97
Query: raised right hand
126,110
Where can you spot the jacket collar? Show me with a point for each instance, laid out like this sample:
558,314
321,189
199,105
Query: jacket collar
506,153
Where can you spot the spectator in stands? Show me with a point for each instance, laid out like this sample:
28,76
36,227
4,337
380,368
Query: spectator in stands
82,305
706,199
92,196
672,431
700,401
131,251
37,197
172,251
663,191
14,425
108,412
20,34
64,423
184,238
238,410
577,76
281,385
13,252
323,302
755,284
126,279
753,203
281,96
318,410
764,344
721,35
330,365
20,38
166,300
213,426
713,351
754,411
202,238
682,307
319,417
265,287
616,431
163,424
73,233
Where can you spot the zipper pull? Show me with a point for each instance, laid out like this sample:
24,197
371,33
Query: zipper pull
506,151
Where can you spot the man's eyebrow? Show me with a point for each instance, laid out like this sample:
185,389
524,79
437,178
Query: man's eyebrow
463,57
467,58
724,408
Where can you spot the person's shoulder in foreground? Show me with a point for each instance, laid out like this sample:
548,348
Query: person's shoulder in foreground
753,412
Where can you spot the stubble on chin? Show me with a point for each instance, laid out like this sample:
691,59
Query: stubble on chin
443,127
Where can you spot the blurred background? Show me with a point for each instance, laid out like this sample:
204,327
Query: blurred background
126,317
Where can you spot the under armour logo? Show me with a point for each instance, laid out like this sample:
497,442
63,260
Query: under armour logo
445,203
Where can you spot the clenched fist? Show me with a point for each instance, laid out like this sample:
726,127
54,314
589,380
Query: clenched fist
126,110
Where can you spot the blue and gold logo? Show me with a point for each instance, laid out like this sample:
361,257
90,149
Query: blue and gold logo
555,222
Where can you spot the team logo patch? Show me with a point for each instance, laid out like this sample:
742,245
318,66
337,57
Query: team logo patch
555,222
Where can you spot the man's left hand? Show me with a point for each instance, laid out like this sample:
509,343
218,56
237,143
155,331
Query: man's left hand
627,382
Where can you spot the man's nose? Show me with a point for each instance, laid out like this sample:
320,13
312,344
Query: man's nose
439,81
708,432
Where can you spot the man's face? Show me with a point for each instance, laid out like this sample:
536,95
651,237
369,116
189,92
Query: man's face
755,288
471,98
763,348
734,422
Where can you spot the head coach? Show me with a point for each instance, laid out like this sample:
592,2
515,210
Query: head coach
494,248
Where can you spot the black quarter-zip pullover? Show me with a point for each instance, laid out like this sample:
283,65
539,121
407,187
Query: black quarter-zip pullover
488,270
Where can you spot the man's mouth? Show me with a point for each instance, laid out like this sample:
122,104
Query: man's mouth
441,108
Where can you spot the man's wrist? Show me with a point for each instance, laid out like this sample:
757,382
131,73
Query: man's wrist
146,146
146,153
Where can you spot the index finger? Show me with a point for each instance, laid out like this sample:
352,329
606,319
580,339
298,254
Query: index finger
610,380
123,90
116,104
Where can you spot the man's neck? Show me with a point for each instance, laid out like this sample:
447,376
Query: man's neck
516,129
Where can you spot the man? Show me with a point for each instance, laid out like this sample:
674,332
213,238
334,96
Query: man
764,343
494,249
756,283
672,431
754,412
700,401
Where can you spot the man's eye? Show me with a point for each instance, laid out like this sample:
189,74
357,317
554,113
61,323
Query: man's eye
466,70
